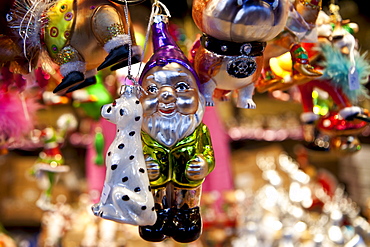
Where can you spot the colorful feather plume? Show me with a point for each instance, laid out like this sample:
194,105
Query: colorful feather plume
17,116
337,67
25,20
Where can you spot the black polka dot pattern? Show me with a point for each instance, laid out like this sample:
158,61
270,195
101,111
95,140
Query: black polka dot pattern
133,193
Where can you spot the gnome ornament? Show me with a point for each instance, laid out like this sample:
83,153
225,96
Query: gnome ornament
176,144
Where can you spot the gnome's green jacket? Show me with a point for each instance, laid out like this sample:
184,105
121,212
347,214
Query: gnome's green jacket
173,160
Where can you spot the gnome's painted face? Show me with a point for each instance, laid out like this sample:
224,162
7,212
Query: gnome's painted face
172,105
170,89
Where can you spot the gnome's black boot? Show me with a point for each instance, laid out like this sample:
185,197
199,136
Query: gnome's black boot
186,225
116,55
70,80
88,82
156,232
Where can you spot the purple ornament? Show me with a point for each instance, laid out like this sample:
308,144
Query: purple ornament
165,49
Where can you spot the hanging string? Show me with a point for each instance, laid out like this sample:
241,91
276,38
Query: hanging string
23,33
129,75
29,17
157,8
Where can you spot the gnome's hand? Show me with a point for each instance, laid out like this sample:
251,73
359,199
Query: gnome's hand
197,168
152,167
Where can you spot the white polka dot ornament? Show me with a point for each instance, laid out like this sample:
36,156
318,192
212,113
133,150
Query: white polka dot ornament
126,196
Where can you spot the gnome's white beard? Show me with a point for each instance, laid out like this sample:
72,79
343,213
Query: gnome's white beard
169,130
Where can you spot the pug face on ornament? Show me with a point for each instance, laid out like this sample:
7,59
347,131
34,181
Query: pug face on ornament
176,144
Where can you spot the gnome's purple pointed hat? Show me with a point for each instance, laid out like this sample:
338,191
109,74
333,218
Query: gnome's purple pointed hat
165,49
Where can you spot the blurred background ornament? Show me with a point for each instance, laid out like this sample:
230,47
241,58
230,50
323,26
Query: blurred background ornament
326,68
50,163
281,212
55,223
5,239
286,62
345,73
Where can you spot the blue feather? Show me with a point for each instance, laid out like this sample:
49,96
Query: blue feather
336,69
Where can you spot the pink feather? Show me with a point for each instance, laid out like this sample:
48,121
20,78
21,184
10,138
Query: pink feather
16,117
6,78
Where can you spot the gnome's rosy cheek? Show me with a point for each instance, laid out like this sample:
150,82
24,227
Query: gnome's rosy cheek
149,103
187,102
149,99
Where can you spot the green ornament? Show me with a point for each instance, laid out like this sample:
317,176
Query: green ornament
99,96
99,146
